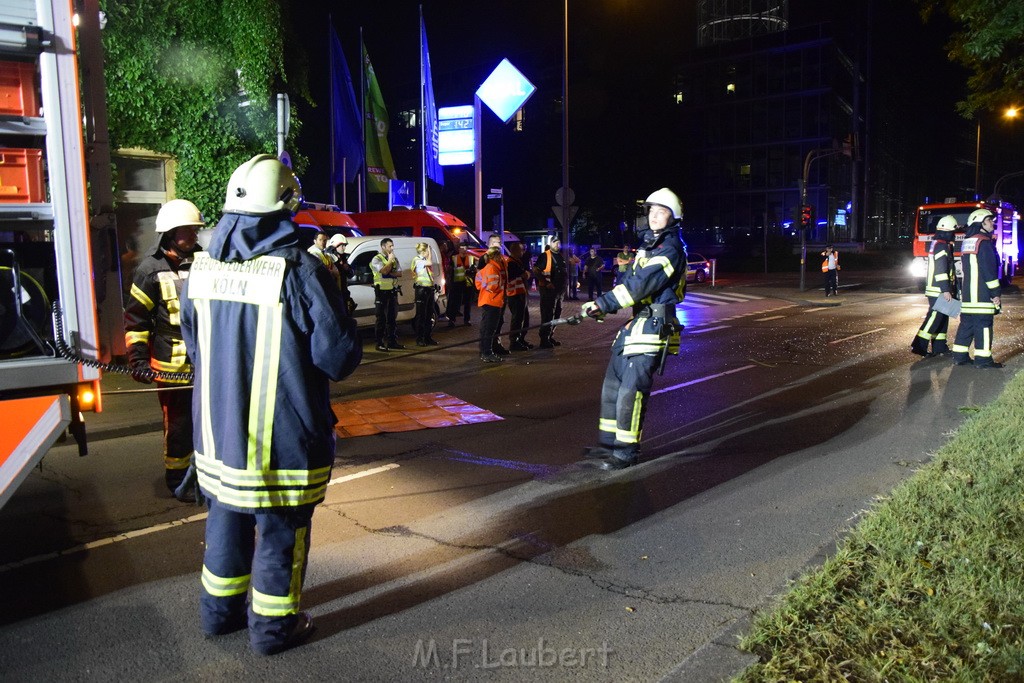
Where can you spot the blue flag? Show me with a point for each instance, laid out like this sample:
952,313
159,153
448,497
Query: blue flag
431,165
346,130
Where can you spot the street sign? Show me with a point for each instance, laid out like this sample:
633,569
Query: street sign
496,190
557,210
401,193
564,195
455,138
505,90
494,196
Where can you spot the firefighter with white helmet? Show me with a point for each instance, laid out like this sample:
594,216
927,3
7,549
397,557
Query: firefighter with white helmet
268,331
153,339
654,284
980,295
940,282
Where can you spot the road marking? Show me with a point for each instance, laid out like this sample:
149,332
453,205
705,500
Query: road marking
702,379
820,308
365,473
707,329
722,298
539,470
839,341
137,533
771,317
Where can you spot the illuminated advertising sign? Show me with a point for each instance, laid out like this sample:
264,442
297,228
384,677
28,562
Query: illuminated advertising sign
505,90
455,138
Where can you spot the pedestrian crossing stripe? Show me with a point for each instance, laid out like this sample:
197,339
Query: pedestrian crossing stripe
718,321
703,300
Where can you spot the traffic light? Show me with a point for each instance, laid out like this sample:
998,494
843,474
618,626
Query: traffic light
806,219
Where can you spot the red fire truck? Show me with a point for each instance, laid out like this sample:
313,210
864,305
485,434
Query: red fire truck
1005,236
46,242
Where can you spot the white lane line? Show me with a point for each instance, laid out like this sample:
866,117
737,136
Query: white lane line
820,308
706,329
702,379
128,535
839,341
365,473
771,317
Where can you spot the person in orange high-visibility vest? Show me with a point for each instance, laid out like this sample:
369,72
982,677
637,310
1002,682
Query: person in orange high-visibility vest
830,267
492,281
550,272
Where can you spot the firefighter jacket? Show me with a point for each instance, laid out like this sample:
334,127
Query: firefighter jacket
268,331
550,270
152,317
941,277
654,285
516,277
492,280
980,264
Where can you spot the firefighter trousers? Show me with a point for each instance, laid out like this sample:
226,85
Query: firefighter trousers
933,330
176,406
520,318
977,329
263,554
624,394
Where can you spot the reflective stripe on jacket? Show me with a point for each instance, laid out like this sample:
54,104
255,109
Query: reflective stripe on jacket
461,264
941,276
980,264
152,317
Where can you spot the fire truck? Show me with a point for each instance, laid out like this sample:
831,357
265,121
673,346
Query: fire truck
1004,237
49,331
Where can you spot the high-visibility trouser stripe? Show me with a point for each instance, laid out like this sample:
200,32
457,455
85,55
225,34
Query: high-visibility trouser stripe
960,348
978,308
263,394
941,336
606,425
141,297
224,587
177,463
281,606
632,435
203,332
985,350
136,338
623,296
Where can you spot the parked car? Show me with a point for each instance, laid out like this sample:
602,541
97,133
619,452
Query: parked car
361,250
698,268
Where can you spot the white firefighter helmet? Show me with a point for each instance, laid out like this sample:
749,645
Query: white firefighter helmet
946,223
262,185
667,198
176,213
337,241
978,215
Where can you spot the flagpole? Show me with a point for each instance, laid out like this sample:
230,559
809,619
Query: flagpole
423,118
362,109
330,86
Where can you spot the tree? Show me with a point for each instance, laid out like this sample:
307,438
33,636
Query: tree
196,79
990,42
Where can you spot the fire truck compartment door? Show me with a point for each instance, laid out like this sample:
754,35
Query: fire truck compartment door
31,425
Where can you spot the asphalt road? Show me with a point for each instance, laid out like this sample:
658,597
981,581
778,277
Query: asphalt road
484,552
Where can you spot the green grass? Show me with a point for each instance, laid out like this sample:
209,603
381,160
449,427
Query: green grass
929,585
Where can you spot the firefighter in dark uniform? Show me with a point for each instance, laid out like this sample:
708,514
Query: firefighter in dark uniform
940,282
268,331
980,296
551,276
655,283
153,330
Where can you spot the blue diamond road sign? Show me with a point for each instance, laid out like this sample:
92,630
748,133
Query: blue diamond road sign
505,90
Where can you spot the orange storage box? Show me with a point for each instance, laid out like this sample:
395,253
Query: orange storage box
21,176
18,89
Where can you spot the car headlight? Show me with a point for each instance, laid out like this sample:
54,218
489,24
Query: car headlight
918,267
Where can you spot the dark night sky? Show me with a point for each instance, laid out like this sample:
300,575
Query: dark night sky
622,54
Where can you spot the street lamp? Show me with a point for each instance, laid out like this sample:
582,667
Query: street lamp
1010,113
565,126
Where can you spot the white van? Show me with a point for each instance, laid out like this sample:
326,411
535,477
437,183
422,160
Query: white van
361,250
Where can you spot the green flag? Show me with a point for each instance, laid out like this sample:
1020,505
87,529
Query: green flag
379,166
